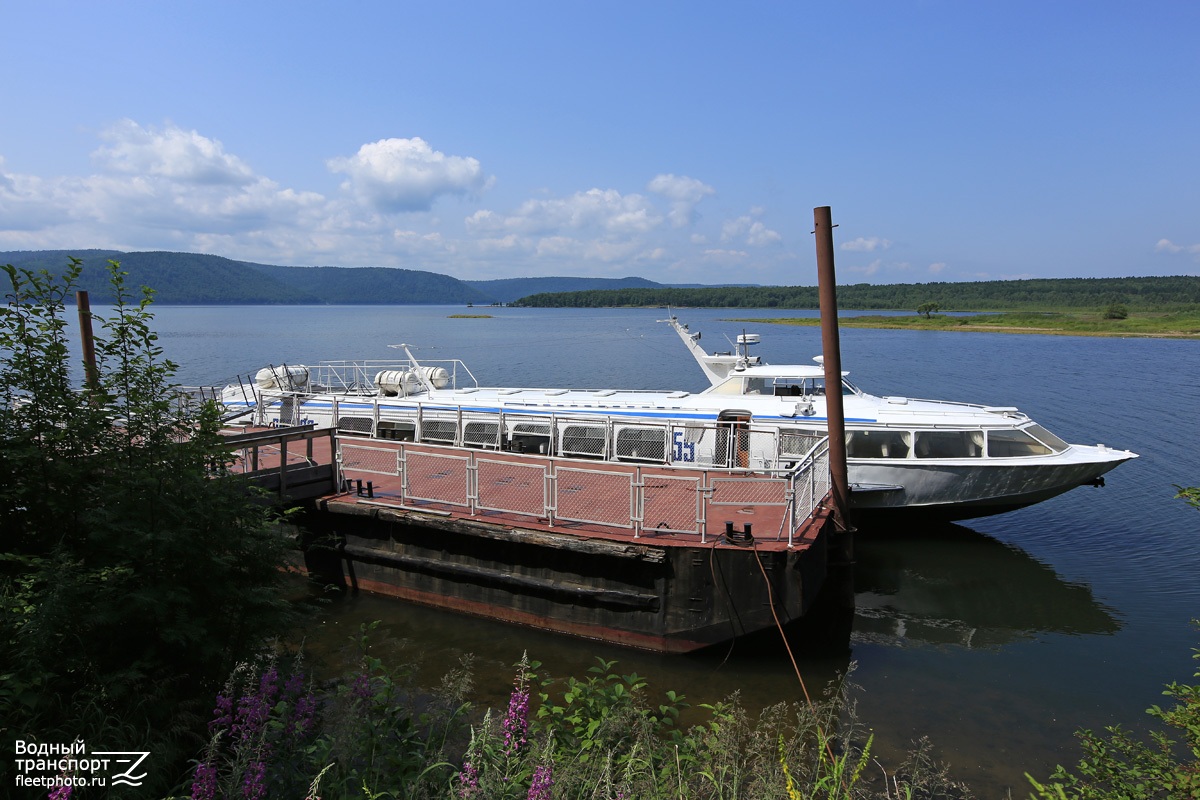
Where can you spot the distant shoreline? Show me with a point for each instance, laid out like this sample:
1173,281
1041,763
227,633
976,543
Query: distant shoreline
1149,326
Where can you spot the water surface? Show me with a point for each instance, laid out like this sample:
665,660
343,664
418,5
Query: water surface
997,638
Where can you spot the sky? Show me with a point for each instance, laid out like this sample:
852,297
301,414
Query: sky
683,142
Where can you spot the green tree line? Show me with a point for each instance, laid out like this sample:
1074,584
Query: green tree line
1139,294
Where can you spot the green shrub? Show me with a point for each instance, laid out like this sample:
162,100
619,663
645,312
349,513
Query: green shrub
133,575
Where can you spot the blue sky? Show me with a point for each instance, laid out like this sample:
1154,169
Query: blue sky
685,142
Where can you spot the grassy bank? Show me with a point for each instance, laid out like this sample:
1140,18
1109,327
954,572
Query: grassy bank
1179,325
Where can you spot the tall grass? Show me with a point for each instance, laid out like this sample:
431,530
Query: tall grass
372,734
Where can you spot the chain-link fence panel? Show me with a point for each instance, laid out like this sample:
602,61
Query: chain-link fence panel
748,491
360,458
810,484
436,477
671,504
600,497
763,448
510,486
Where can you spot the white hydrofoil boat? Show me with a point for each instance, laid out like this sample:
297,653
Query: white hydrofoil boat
941,459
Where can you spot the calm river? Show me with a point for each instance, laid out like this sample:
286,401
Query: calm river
997,639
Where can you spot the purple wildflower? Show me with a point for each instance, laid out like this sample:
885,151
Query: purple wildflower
222,714
516,721
252,781
302,716
295,684
268,685
468,780
251,716
204,784
361,688
543,779
62,792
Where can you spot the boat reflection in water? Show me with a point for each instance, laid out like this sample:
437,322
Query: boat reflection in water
952,586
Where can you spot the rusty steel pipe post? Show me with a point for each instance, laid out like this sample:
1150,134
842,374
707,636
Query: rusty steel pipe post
87,339
831,348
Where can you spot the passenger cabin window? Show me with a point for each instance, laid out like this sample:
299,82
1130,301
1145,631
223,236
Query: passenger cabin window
363,425
582,440
878,444
949,444
1014,444
441,431
530,438
481,434
397,431
797,444
642,444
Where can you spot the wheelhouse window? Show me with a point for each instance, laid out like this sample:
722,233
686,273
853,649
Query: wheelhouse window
732,385
949,444
878,444
1012,443
1047,438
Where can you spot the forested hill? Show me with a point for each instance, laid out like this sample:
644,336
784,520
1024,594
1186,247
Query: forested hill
1142,294
506,290
212,280
192,278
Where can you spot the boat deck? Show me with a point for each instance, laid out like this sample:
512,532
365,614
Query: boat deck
615,502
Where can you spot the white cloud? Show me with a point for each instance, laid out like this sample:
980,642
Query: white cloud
684,193
867,245
726,256
601,210
869,270
938,267
171,153
169,188
393,175
750,231
1167,246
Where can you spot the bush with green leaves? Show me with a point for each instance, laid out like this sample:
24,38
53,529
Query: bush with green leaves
133,573
1119,766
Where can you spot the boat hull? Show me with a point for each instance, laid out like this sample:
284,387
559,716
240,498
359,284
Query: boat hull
972,489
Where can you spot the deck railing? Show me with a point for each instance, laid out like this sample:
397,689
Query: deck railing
557,490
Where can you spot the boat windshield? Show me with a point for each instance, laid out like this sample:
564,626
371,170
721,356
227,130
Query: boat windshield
782,386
